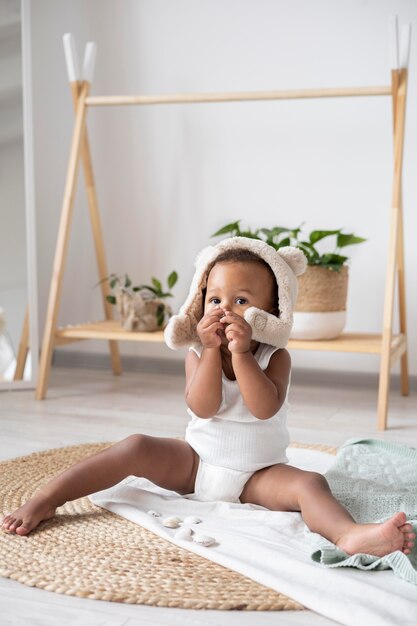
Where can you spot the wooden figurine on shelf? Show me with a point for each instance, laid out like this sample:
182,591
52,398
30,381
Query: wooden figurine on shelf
142,308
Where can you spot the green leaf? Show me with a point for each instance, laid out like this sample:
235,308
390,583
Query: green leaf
128,282
309,250
249,234
148,287
273,244
317,235
157,284
268,233
111,299
348,240
160,314
307,244
172,279
275,231
294,232
284,242
233,227
114,282
333,259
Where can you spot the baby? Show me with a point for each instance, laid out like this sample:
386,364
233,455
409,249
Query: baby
237,319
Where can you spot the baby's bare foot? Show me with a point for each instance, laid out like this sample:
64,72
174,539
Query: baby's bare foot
28,516
379,539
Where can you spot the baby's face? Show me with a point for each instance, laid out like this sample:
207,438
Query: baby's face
236,286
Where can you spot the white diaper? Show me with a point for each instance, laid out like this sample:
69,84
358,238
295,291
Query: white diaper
218,483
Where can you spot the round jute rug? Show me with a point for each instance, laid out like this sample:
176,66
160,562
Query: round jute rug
88,552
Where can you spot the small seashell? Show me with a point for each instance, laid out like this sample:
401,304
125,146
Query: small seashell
154,513
184,534
171,522
192,519
203,540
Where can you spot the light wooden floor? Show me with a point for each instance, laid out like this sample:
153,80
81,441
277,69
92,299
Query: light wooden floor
91,405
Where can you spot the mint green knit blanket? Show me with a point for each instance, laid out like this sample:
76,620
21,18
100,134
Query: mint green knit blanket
373,479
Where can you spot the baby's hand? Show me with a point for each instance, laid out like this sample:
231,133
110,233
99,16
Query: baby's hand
238,332
209,328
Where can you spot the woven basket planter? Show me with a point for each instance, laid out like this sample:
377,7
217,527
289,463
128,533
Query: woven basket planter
320,310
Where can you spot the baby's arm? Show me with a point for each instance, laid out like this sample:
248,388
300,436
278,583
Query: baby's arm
203,390
263,391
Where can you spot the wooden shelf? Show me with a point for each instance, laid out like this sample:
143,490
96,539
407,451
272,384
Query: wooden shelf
347,342
105,329
352,342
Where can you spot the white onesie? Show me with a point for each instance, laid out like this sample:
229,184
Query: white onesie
234,444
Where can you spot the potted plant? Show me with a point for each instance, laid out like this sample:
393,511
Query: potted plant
141,307
320,310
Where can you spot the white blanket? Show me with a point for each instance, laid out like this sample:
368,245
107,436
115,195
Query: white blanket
271,548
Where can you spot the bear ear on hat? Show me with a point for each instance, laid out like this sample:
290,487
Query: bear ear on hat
295,258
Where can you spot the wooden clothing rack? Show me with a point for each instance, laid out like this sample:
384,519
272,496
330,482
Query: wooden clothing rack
388,345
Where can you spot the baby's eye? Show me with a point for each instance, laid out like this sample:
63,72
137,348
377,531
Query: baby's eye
241,301
215,300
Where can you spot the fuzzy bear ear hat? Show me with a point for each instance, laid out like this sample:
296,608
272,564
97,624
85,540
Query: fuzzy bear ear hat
286,263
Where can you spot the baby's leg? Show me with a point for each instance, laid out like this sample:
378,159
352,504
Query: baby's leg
169,463
285,488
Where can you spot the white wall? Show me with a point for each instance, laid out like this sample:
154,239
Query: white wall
169,176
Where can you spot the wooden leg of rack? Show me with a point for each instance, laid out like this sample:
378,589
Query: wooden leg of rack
97,232
383,392
99,246
23,349
385,367
61,247
402,305
395,78
400,89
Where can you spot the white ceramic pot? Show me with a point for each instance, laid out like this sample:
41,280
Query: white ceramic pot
315,326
